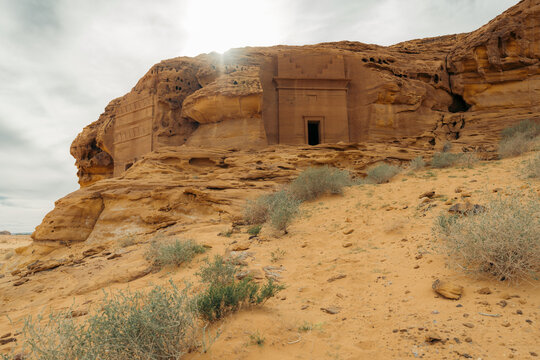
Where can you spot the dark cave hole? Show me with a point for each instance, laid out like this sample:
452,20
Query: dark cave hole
458,104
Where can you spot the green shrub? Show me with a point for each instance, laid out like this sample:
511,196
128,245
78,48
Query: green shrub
218,271
156,325
382,173
175,253
532,168
518,139
225,294
503,241
314,182
417,163
254,230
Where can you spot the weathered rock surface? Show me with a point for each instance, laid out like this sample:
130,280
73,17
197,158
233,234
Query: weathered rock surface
463,87
197,136
175,187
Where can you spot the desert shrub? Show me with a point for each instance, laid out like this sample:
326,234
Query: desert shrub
159,324
283,208
518,139
314,182
254,230
256,211
417,163
382,173
503,241
467,159
447,146
532,168
278,208
225,294
527,127
176,253
218,271
444,159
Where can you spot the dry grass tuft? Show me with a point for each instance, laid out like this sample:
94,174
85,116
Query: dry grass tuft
503,241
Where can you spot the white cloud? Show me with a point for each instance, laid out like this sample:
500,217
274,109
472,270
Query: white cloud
64,60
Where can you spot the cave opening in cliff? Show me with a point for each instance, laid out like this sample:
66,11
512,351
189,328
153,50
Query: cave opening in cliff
128,165
313,132
458,104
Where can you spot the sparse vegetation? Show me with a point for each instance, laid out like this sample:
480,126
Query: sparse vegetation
155,325
279,208
314,182
127,241
277,255
417,163
447,146
520,138
256,339
225,294
381,173
176,253
254,230
283,208
532,167
444,159
447,159
503,241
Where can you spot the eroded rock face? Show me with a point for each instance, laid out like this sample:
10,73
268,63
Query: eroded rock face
460,87
196,136
179,186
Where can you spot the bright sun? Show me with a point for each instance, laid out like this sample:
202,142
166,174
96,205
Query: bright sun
221,25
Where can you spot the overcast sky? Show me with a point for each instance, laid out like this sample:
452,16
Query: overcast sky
62,61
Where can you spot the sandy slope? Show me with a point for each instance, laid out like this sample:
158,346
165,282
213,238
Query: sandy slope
383,291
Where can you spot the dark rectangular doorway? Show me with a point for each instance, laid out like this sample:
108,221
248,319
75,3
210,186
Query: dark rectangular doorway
313,128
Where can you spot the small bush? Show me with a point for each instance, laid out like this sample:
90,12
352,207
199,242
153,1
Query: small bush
529,128
382,173
532,168
417,163
283,208
175,253
503,241
219,271
155,325
278,209
224,294
447,147
518,139
314,182
467,159
254,230
444,160
256,211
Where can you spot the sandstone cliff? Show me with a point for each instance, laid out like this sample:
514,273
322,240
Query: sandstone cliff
196,135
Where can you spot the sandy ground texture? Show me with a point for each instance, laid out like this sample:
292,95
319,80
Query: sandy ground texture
358,271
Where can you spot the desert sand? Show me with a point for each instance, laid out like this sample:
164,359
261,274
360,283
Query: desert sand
369,255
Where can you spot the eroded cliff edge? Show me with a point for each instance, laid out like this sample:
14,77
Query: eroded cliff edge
400,101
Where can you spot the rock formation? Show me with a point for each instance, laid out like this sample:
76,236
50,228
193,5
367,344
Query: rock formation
5,232
194,133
